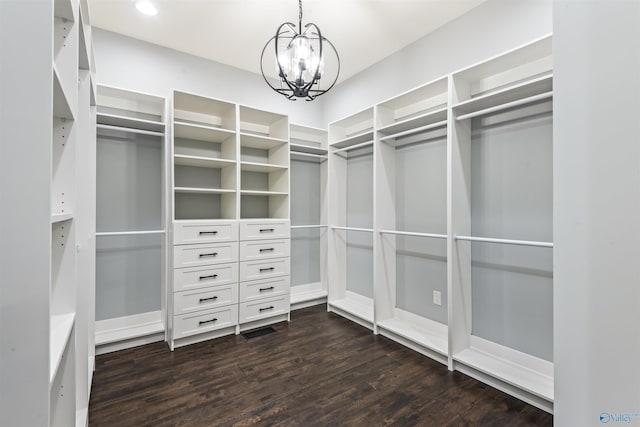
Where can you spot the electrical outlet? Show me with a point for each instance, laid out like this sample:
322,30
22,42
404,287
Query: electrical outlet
437,298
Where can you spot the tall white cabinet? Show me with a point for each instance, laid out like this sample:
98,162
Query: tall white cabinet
48,94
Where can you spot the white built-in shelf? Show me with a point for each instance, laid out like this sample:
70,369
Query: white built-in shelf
61,106
129,332
532,381
262,193
60,331
412,123
64,9
261,167
260,142
434,339
358,138
61,216
202,162
309,149
362,307
85,52
129,122
201,132
300,297
521,90
198,190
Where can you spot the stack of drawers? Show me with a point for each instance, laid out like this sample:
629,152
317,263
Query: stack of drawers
205,278
264,270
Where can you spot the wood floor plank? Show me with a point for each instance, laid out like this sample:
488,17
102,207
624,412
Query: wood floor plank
317,370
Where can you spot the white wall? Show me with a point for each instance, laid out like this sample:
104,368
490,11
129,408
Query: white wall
597,206
490,29
133,64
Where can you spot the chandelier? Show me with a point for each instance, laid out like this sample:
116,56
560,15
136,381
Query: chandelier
300,57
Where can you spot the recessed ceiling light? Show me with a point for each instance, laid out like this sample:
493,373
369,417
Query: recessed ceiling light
146,7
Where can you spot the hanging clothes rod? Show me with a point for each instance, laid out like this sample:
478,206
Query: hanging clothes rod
506,241
301,153
506,105
415,131
308,226
128,233
365,230
410,233
353,147
129,130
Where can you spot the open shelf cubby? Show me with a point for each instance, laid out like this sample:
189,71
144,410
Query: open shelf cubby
352,130
127,109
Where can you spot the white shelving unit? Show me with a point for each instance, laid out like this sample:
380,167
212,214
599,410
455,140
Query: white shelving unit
350,243
131,201
309,228
411,204
46,363
500,93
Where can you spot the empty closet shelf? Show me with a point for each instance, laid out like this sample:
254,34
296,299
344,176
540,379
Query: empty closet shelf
61,216
61,327
360,309
307,149
430,338
432,119
262,193
202,162
198,190
132,123
260,142
201,132
261,167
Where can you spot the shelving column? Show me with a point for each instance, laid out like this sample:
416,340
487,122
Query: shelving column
204,291
309,232
351,194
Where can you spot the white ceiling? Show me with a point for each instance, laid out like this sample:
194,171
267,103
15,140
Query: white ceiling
234,32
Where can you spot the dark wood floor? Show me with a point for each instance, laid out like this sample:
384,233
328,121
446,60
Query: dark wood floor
317,370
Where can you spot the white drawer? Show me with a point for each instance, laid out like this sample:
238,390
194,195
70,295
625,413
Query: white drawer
204,254
205,321
257,230
255,270
269,307
185,279
264,249
203,299
257,289
203,232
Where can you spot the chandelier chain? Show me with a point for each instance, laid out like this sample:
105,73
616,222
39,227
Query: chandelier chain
300,15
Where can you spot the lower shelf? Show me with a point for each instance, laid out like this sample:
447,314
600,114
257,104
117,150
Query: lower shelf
60,331
354,307
420,331
307,295
129,331
525,373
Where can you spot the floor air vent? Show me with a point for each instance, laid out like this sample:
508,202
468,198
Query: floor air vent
258,332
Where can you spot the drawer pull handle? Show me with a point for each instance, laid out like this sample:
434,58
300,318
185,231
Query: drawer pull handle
204,322
270,288
211,233
208,299
267,269
266,308
213,276
267,250
208,255
267,230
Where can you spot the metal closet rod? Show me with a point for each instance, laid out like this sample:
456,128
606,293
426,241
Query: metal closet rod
128,233
411,233
415,131
506,241
506,105
309,226
365,230
353,147
130,130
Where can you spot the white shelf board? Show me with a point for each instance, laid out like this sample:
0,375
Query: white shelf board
519,376
415,122
60,331
201,132
196,190
299,297
355,308
129,332
64,9
430,339
201,162
260,142
353,139
129,122
61,106
301,148
262,193
261,167
61,216
536,86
